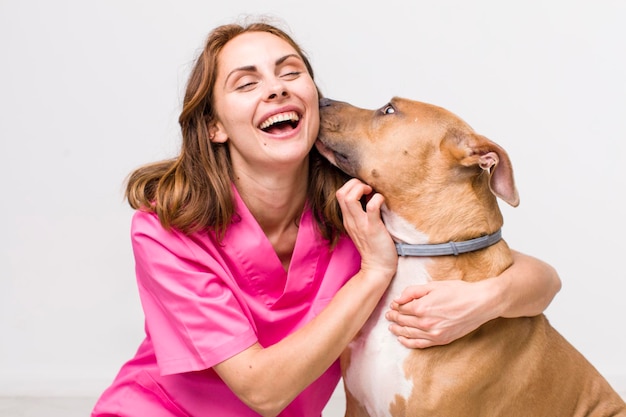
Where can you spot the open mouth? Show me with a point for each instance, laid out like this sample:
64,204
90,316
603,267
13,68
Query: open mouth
280,122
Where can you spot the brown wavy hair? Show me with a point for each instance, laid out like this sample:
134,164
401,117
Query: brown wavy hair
192,192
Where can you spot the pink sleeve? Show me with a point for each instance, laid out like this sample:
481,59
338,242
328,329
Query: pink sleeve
188,296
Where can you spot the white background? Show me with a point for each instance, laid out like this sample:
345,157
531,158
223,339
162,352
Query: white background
89,90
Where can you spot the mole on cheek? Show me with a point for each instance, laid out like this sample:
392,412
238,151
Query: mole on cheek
375,173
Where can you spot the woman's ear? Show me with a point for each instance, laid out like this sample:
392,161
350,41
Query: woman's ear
217,134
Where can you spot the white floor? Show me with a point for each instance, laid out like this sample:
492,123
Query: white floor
81,407
45,407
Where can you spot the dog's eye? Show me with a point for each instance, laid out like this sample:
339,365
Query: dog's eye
388,109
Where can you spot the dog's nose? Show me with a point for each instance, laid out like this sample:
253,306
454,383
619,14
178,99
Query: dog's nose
325,102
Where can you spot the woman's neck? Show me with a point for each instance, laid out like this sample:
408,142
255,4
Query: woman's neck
277,203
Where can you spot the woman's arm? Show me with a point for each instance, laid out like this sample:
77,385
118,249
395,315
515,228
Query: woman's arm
268,379
440,312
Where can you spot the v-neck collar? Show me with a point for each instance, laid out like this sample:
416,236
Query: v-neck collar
260,269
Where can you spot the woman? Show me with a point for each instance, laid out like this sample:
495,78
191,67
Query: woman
250,286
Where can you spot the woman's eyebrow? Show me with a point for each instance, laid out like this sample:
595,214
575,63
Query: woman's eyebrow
246,68
252,68
286,57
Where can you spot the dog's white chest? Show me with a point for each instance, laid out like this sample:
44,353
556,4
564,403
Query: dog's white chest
376,373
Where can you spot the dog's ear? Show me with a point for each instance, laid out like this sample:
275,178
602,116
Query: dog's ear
477,150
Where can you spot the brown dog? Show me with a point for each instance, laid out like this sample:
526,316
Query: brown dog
440,181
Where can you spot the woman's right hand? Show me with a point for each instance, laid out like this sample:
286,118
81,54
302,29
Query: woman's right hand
269,378
366,228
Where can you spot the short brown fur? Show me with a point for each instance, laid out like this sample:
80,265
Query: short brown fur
439,175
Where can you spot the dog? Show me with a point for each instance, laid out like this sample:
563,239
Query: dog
441,181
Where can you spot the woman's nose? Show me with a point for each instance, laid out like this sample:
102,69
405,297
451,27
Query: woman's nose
282,93
276,89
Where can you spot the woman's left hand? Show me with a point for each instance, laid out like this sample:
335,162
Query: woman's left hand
439,312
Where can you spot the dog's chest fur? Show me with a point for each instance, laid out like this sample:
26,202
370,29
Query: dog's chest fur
376,374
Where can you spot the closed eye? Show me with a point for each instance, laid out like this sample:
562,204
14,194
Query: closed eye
291,75
246,86
246,82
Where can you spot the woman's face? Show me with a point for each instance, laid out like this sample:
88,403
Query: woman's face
266,103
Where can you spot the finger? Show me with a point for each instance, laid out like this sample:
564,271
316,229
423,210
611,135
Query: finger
414,308
415,343
407,331
411,336
349,197
400,319
354,187
399,323
411,293
415,337
374,204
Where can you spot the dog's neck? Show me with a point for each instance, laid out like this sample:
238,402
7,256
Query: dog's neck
400,229
491,261
434,219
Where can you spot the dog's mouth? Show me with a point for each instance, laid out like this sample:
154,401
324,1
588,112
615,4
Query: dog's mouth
280,122
339,159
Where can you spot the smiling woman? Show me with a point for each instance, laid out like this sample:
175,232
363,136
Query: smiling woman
240,246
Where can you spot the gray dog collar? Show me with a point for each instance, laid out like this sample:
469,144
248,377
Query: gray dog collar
450,248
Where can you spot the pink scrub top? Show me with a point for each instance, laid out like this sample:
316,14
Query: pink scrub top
205,302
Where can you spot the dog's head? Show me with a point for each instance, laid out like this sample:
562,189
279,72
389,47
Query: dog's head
411,147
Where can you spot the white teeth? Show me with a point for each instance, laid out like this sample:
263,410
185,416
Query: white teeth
282,117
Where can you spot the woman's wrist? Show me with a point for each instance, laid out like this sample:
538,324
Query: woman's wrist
496,296
376,279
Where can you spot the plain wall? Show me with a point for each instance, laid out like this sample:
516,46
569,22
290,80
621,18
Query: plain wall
89,90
